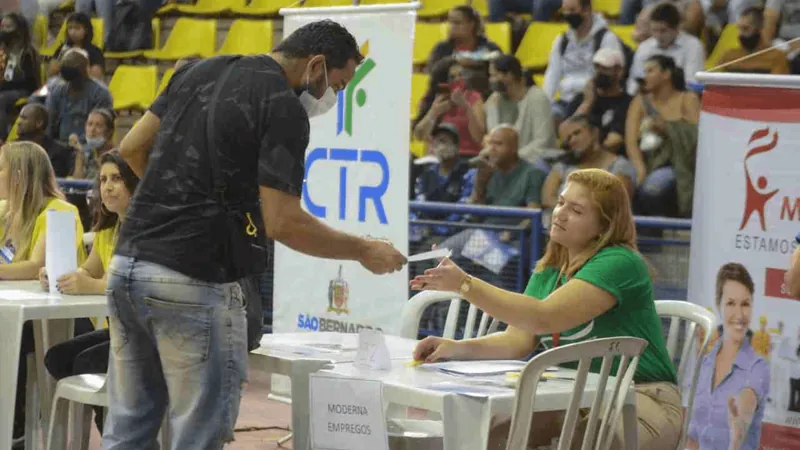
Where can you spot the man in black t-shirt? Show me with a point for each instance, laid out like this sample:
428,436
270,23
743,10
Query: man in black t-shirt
604,99
228,139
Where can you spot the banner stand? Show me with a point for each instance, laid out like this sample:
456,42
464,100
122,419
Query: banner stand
746,217
356,179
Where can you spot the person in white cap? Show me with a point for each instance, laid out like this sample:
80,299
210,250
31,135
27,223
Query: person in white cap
605,100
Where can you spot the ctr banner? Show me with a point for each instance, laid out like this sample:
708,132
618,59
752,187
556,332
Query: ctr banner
356,179
746,217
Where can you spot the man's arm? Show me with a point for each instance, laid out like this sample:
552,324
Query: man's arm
135,147
287,222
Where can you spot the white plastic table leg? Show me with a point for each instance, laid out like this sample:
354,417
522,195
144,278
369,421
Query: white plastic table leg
11,323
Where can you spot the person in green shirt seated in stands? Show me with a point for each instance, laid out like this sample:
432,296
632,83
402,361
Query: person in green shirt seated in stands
591,283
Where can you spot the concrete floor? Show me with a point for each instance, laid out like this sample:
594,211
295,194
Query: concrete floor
256,413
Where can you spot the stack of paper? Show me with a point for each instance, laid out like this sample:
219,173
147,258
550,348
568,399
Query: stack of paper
477,368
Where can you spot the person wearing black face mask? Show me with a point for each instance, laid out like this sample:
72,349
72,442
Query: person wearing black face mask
604,99
72,98
19,66
750,25
526,107
570,65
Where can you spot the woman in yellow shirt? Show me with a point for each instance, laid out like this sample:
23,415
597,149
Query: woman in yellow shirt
28,190
88,352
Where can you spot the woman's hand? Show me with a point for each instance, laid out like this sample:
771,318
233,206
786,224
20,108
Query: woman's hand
459,98
441,105
74,283
738,426
43,280
447,276
434,348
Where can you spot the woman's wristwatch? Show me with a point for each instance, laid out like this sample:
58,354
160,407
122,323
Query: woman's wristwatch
466,285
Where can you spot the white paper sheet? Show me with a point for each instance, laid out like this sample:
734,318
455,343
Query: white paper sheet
372,351
60,253
433,254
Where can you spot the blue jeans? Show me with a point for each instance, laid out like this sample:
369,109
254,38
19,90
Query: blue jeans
657,195
177,344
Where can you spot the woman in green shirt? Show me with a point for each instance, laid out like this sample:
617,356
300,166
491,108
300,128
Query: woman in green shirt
591,283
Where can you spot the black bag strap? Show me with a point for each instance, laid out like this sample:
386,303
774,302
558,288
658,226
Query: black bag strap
213,159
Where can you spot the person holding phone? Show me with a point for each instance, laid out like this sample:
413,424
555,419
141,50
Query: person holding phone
458,104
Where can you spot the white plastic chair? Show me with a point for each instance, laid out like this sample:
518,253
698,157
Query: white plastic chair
694,316
599,437
416,305
426,431
72,404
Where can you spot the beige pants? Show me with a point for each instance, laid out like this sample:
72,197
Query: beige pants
658,411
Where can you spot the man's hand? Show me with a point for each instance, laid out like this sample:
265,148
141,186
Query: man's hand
380,257
73,142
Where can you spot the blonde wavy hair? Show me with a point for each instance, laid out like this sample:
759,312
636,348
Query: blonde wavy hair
613,206
31,185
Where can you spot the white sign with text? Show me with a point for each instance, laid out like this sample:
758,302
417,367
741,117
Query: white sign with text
373,353
347,414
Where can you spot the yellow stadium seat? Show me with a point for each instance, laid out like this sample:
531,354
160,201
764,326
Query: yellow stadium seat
133,87
534,50
417,148
66,5
625,33
419,85
426,36
40,29
264,7
500,34
539,79
609,8
156,24
482,6
50,50
248,37
97,39
189,38
165,80
438,8
212,7
12,135
728,40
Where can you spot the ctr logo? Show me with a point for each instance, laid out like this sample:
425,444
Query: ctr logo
344,116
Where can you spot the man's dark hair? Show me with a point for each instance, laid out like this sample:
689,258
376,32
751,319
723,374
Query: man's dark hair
666,13
323,37
39,112
586,4
508,64
755,14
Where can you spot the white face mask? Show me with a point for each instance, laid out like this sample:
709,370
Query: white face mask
318,106
95,143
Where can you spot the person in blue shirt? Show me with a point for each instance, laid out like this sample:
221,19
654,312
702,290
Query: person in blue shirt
450,180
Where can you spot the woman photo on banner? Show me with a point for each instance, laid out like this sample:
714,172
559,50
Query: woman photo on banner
733,383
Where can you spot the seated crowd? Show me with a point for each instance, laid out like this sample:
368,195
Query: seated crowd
601,104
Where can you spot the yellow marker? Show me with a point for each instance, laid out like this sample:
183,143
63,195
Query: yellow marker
415,363
512,374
